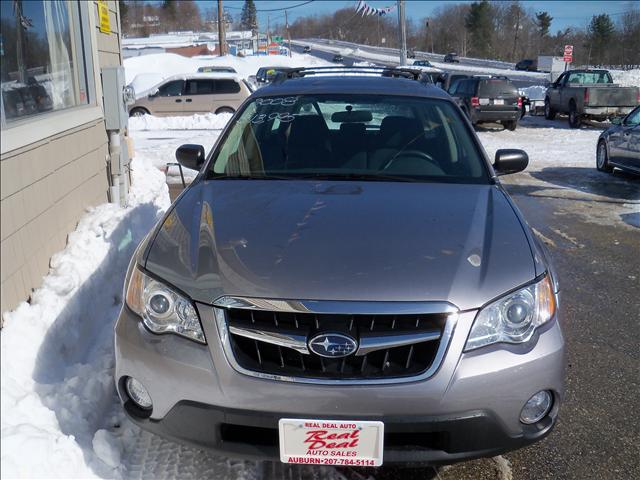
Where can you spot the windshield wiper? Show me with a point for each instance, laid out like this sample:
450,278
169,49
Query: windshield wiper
371,177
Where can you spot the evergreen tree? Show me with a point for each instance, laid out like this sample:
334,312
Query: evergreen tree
249,18
543,22
600,33
543,25
479,24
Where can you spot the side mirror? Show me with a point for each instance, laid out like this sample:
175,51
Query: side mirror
153,93
190,156
509,160
616,121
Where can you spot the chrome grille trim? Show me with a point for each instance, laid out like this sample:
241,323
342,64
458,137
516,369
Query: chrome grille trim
337,308
346,307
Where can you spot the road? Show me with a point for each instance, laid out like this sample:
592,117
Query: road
349,60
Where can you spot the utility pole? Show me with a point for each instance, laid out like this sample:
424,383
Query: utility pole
402,27
286,22
222,41
268,32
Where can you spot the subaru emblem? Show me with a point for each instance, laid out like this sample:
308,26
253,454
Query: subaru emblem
333,345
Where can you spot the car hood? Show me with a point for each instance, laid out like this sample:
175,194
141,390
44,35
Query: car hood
363,241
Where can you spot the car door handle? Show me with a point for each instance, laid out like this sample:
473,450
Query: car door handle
189,100
178,100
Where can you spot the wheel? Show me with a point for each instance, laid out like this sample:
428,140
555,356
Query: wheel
225,110
138,112
510,125
549,113
574,117
602,158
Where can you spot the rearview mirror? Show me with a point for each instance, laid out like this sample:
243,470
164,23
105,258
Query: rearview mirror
358,116
509,160
190,156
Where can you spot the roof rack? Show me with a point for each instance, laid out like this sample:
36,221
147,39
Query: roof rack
395,72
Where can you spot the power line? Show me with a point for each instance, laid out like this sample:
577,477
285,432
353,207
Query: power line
275,9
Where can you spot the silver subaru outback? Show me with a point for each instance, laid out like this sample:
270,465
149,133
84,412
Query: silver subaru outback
346,282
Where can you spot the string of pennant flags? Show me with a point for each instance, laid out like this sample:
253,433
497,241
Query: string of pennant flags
368,10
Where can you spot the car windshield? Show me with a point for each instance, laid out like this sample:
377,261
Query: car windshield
347,137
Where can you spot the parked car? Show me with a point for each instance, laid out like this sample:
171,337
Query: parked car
619,145
422,63
589,94
337,58
411,53
216,69
306,49
527,65
295,299
489,99
267,74
191,94
451,58
448,81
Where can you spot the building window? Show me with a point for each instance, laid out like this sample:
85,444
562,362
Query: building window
42,58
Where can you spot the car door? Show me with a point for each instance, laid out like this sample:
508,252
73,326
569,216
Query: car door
553,92
227,94
199,94
168,100
628,154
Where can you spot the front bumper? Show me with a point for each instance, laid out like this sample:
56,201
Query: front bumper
469,408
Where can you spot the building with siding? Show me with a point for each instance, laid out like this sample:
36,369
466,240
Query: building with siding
54,159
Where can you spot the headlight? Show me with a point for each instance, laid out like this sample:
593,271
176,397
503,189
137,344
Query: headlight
162,309
515,317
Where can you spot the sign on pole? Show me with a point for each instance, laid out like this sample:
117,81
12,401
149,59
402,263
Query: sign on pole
568,53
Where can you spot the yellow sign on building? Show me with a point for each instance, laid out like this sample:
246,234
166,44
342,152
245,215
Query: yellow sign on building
103,15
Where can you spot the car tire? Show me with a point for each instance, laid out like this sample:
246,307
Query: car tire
549,112
138,112
602,158
510,125
225,110
574,117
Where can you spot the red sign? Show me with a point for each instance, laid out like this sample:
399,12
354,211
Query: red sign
568,53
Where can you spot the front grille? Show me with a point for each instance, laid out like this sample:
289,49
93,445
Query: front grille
406,360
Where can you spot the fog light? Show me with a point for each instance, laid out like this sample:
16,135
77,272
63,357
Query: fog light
536,407
138,393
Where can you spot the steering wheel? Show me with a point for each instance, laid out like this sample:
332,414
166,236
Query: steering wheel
409,153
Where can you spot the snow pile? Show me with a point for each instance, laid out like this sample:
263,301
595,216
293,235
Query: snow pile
56,385
627,78
207,121
162,65
548,143
536,92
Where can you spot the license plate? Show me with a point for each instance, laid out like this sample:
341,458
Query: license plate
331,442
498,101
484,101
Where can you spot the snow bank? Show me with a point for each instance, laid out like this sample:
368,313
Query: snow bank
207,121
536,92
162,65
549,143
56,385
627,78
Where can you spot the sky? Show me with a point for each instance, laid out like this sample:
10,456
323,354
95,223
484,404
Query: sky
565,13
